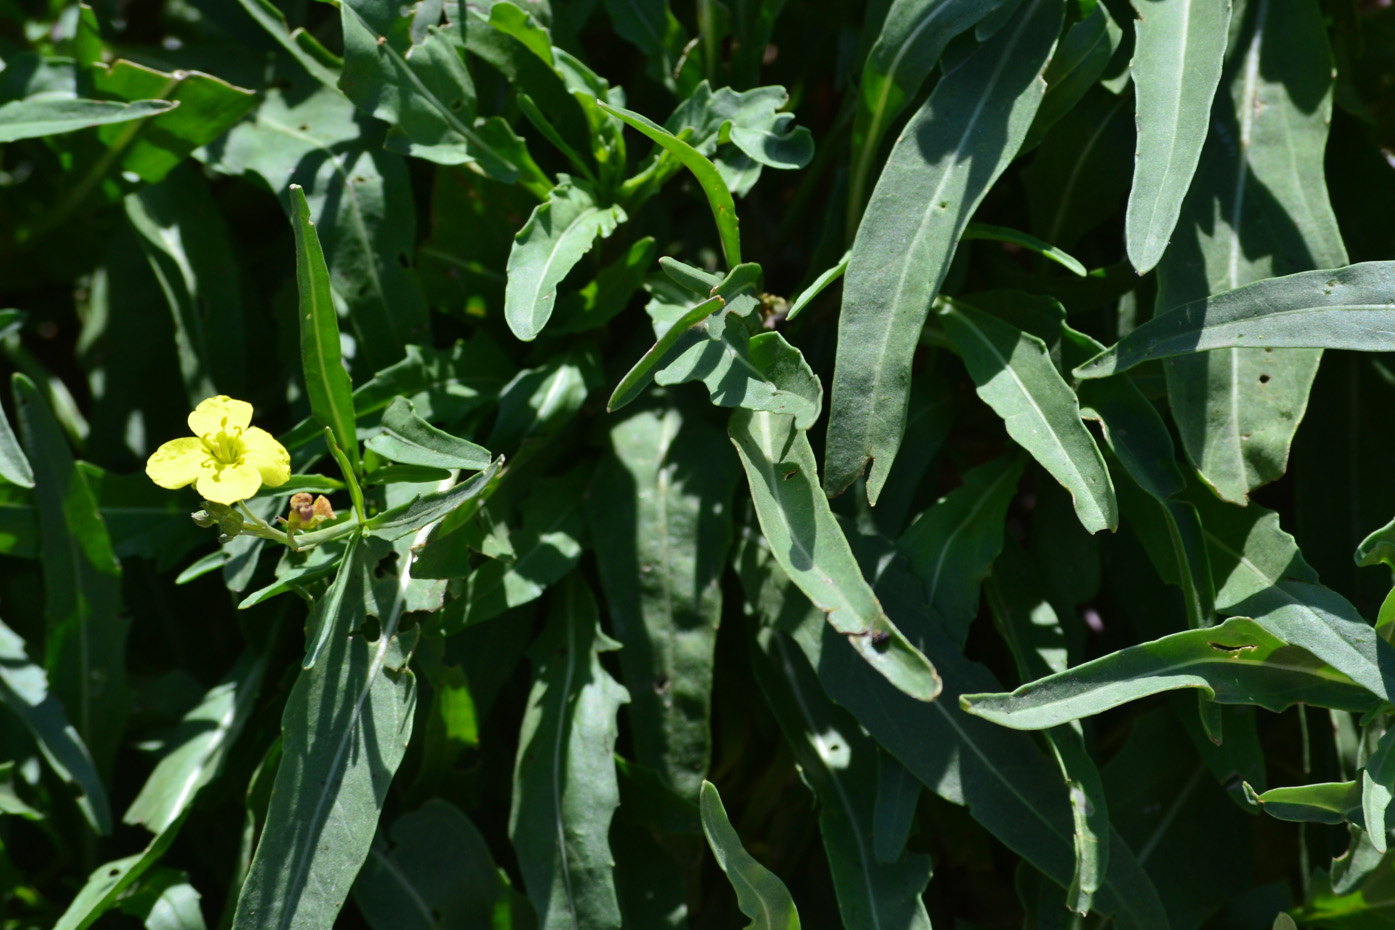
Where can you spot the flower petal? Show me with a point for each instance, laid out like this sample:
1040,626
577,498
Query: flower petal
177,463
220,413
267,456
229,484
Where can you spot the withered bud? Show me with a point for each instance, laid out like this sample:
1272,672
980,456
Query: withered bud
306,512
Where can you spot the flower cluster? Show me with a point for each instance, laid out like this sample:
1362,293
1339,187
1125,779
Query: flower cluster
227,459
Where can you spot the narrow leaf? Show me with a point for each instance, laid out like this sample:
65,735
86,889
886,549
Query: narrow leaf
1014,375
943,164
565,788
759,892
85,646
197,749
809,544
326,382
24,691
344,730
907,49
708,178
659,515
51,116
1238,662
1176,67
1347,308
409,439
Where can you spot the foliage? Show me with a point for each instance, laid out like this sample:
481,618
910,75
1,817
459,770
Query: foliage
781,463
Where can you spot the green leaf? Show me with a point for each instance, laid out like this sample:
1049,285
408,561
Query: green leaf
809,545
301,45
418,84
350,594
945,161
1014,375
538,402
1259,572
10,802
708,178
650,26
25,692
436,871
326,382
85,645
1341,309
189,250
197,749
108,881
444,384
597,303
1238,662
659,515
752,122
759,892
427,508
42,116
1013,236
561,231
1083,54
565,791
838,761
819,285
545,549
1033,632
1378,789
907,49
344,731
1138,437
409,439
207,107
362,196
1237,410
951,546
1328,802
14,467
1010,789
1176,66
639,377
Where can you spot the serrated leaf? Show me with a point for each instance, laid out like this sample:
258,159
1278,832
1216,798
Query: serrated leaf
945,161
561,231
658,511
565,789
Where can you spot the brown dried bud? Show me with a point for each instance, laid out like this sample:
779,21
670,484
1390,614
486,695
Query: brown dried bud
323,511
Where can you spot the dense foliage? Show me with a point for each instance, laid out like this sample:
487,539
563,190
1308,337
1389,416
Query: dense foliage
851,464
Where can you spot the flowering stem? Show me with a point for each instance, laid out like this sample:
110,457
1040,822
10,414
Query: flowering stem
261,528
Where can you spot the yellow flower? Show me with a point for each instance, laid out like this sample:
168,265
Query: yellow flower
227,461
